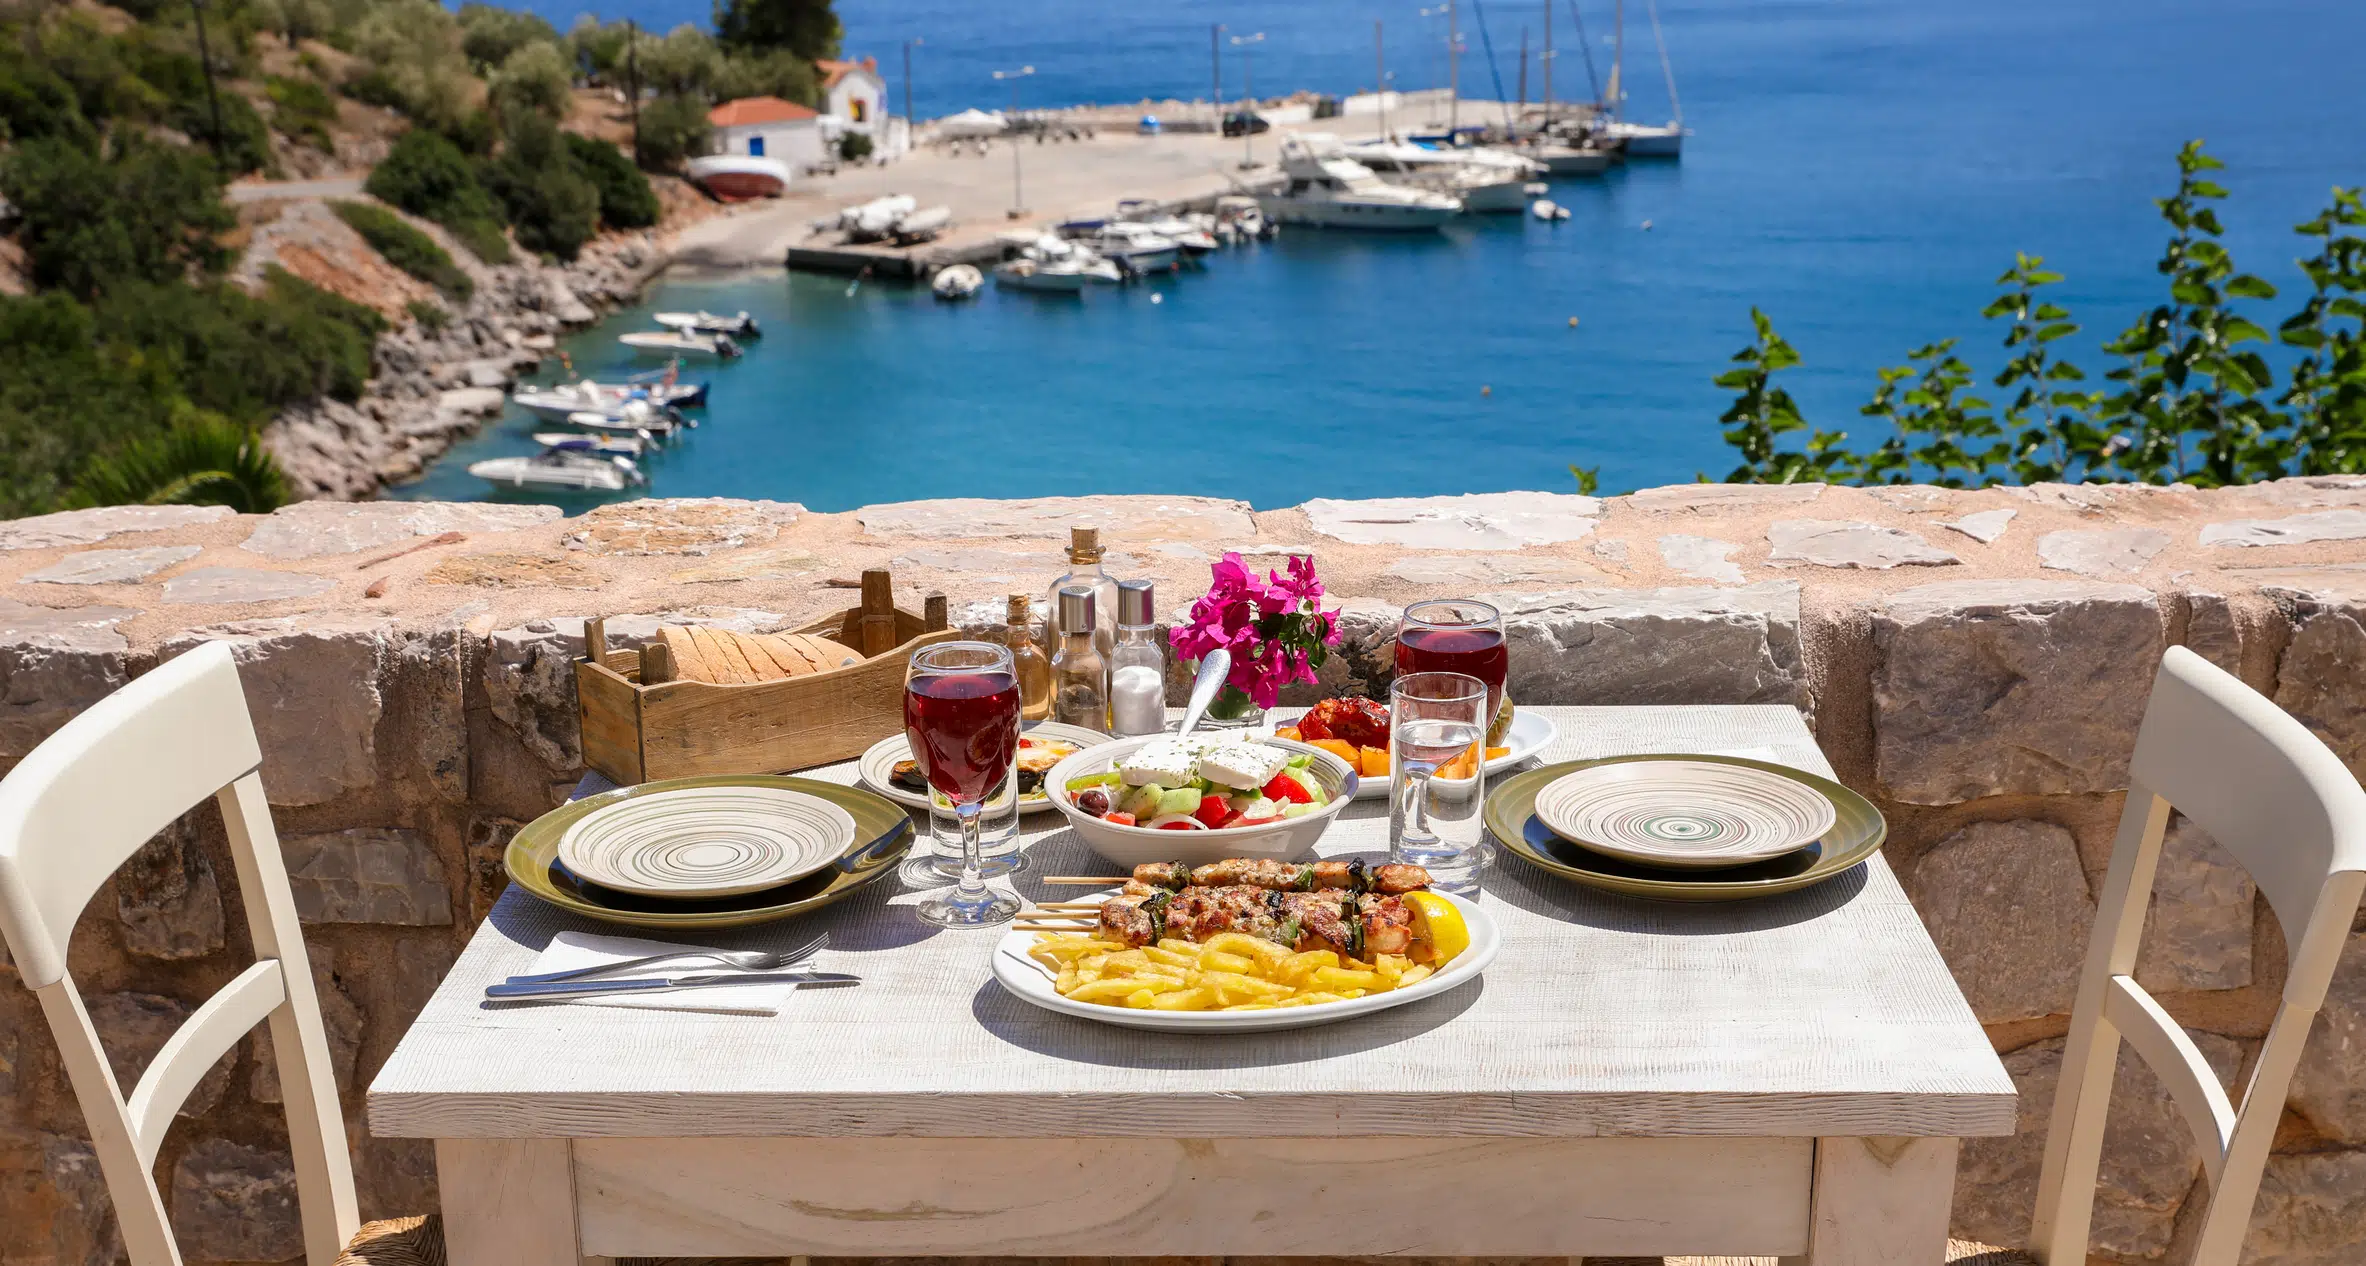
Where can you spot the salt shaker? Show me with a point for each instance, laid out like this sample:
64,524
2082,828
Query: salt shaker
1137,667
1080,677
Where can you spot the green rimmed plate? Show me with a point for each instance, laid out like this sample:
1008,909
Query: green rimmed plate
1856,835
883,833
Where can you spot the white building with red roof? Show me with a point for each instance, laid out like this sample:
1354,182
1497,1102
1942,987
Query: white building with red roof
769,127
854,99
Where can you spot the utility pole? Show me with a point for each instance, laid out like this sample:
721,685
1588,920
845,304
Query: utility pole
1380,76
632,79
1216,69
1523,71
1247,45
1018,200
908,80
213,104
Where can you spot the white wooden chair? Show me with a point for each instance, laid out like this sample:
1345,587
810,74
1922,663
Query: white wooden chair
2285,808
72,812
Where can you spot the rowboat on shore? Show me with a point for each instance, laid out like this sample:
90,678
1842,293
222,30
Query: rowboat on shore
739,177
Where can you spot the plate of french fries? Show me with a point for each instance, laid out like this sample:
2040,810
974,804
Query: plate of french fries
1229,982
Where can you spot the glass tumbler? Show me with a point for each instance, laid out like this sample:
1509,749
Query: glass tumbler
1437,736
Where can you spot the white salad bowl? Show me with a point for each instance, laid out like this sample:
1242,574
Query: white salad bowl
1129,846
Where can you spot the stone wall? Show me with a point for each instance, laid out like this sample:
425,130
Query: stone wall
1974,661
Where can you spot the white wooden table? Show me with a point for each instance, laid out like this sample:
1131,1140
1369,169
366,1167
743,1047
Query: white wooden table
1786,1077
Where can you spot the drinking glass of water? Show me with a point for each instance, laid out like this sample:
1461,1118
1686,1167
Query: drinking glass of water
1438,724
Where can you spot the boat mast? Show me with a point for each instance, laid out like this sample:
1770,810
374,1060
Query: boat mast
1544,60
1585,46
1453,68
1380,76
1618,60
1665,67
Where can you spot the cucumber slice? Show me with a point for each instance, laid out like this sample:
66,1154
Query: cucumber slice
1092,780
1299,810
1300,761
1183,800
1142,801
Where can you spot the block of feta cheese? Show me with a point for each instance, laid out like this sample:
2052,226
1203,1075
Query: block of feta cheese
1163,762
1240,764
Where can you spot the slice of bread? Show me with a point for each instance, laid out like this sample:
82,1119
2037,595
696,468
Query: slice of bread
689,661
760,662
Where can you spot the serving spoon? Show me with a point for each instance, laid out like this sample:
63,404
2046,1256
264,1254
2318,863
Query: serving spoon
1214,667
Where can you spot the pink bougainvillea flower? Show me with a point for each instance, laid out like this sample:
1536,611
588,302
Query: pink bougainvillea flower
1275,627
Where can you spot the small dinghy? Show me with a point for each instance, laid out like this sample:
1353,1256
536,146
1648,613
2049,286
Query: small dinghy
960,281
643,423
604,445
921,226
704,322
1547,209
676,343
571,466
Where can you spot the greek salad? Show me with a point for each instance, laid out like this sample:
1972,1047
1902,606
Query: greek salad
1191,785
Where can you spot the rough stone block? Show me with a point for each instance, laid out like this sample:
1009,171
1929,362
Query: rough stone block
2329,1086
2311,1211
2150,1160
694,526
1487,571
2008,906
367,875
2115,552
1480,520
234,1203
1984,526
1705,557
2211,630
314,688
112,566
1834,543
2198,933
1640,646
316,529
2010,687
134,1026
88,527
1712,498
2318,678
242,584
53,664
1049,518
83,1231
168,899
2299,529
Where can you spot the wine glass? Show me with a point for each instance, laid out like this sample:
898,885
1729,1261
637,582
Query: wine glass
961,716
1456,635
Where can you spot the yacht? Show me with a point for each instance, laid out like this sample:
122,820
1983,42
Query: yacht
704,322
1340,193
1484,185
570,466
1134,247
677,343
1060,274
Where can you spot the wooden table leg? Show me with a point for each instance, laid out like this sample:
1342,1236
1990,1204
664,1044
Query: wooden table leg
1880,1202
509,1202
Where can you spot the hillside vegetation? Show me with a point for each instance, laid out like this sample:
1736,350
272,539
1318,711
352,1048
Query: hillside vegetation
130,357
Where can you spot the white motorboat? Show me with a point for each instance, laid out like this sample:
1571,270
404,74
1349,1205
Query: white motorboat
1340,193
1641,140
870,221
1548,210
570,467
1238,218
605,445
638,420
1067,274
1485,180
740,177
677,343
921,226
1134,247
704,322
957,281
557,402
1574,160
1192,238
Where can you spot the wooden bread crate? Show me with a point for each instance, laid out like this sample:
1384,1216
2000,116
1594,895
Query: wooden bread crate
637,733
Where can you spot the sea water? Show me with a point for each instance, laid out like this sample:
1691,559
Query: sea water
1861,169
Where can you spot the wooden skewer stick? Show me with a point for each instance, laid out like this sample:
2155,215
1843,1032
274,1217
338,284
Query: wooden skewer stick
1068,905
1101,881
1051,927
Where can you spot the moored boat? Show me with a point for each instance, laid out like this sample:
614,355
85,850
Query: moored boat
957,281
739,177
921,225
605,445
571,466
1063,275
1134,247
1340,193
704,322
676,343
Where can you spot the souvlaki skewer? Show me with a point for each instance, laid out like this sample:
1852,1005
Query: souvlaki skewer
1343,907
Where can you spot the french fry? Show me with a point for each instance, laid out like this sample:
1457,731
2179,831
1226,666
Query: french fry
1184,1000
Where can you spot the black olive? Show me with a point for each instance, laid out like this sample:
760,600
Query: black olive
1092,800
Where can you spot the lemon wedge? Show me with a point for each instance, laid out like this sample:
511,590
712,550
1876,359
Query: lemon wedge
1439,925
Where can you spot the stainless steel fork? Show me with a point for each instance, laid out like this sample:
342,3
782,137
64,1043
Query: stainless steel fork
736,960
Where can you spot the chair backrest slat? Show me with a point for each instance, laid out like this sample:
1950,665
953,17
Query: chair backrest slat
2281,804
206,1036
107,783
72,812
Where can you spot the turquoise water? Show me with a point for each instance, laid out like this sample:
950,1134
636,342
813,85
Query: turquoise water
1861,170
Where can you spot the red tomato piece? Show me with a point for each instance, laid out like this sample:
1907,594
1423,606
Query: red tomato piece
1286,789
1212,811
1178,826
1120,819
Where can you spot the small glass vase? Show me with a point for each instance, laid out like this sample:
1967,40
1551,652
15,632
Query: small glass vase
1232,709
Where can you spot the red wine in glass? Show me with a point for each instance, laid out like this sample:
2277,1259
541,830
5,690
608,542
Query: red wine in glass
964,730
1456,636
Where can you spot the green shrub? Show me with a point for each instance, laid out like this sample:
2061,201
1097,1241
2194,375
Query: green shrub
63,396
672,129
406,248
489,34
808,28
553,206
431,316
243,139
413,51
854,147
302,108
770,73
243,355
535,78
35,102
149,212
201,459
429,177
626,200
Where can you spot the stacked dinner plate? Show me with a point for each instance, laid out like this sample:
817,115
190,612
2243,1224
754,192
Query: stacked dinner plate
709,852
1684,828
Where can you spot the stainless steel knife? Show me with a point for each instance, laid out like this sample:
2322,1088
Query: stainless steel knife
663,984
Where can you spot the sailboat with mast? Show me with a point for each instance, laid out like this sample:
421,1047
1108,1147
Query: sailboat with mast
1641,140
1562,157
